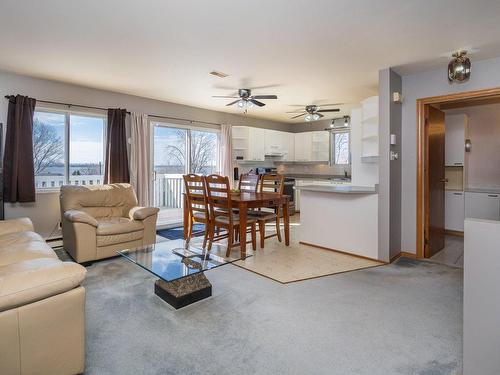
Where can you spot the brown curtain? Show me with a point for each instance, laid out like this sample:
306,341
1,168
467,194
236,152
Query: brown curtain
18,169
116,169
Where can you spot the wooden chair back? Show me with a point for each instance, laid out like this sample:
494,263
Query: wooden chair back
272,183
219,196
248,182
196,194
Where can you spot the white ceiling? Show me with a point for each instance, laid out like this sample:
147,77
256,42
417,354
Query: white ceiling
313,51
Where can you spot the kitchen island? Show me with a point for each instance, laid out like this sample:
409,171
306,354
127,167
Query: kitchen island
340,217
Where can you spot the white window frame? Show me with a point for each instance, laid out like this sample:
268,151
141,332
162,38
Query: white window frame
67,140
332,142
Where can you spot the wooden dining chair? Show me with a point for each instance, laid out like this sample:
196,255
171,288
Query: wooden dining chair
197,201
222,215
274,184
248,182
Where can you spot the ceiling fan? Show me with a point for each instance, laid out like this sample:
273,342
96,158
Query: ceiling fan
313,112
245,99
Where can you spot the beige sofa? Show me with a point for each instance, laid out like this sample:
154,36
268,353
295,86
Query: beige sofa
42,320
99,220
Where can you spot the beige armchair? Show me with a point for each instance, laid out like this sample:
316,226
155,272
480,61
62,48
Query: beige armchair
99,220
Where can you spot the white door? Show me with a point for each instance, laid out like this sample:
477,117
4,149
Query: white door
178,151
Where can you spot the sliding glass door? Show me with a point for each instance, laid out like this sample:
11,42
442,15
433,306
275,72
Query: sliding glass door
178,151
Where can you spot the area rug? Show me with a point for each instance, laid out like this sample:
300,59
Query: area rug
287,264
178,232
300,262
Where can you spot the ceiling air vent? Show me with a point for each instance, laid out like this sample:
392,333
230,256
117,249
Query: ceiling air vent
218,74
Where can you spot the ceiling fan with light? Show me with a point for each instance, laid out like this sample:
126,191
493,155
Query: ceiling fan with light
313,112
245,99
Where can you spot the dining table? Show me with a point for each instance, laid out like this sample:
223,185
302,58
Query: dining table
250,200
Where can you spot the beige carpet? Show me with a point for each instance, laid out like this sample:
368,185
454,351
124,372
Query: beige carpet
296,262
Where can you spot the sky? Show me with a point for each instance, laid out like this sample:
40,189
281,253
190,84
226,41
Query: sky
86,135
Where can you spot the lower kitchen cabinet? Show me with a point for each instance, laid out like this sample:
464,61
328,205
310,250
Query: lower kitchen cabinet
482,205
454,211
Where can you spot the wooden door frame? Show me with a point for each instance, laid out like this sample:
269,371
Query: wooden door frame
422,152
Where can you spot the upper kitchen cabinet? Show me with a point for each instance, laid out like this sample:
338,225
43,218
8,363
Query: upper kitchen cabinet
274,143
256,149
289,146
455,127
320,148
303,146
312,146
248,143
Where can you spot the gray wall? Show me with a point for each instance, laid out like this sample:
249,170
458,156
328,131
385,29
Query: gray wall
45,211
485,74
389,214
395,167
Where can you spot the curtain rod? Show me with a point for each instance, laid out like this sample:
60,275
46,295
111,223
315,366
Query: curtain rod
105,109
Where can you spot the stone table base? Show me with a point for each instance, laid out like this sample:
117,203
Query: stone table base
185,291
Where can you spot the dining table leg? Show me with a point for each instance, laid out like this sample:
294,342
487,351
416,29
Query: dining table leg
242,206
286,222
186,217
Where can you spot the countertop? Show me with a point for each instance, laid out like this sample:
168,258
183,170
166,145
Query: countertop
310,176
481,190
339,189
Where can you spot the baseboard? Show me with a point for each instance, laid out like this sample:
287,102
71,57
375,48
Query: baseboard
455,233
343,252
403,254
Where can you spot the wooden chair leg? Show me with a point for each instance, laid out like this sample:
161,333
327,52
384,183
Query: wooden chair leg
262,232
230,234
205,237
278,231
254,237
211,233
190,231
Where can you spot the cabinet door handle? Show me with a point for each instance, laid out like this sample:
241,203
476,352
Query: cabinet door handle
493,195
457,163
457,193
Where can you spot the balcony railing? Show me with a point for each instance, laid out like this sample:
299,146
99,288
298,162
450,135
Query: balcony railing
168,190
55,182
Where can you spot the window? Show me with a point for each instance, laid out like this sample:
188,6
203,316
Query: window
86,148
68,148
340,148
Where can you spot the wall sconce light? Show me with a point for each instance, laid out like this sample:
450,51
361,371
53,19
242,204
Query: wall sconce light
468,145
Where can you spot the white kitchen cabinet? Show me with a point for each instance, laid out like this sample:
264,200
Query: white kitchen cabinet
454,208
303,146
273,142
289,146
482,205
455,126
320,148
256,144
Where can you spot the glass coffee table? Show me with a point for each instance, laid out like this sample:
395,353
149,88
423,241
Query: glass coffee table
180,268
